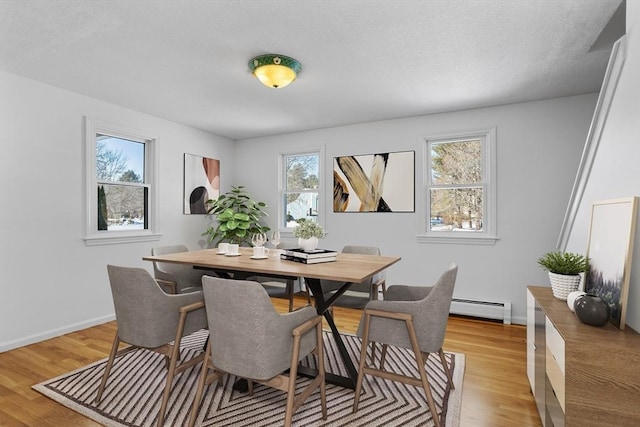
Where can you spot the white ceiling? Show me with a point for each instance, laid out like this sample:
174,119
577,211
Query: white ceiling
363,60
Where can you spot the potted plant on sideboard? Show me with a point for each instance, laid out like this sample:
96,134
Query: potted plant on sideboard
238,217
308,232
564,271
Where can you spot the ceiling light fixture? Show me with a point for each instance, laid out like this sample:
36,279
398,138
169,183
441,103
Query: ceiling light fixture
274,70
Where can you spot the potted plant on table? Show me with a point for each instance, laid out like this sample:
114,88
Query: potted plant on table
238,217
564,271
308,232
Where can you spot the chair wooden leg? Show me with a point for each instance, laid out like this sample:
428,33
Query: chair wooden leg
427,391
175,355
320,352
173,360
419,357
201,381
363,358
306,290
383,356
250,386
290,293
446,369
107,369
423,375
291,389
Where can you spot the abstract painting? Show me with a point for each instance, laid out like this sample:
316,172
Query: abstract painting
382,182
201,182
610,251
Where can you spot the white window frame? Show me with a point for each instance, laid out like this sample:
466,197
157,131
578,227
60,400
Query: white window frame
94,236
488,236
287,232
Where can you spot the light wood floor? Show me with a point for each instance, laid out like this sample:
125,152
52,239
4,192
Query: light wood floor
495,391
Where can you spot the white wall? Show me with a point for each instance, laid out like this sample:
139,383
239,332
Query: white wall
50,281
539,146
616,164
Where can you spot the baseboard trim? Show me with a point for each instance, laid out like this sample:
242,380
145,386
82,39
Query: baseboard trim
31,339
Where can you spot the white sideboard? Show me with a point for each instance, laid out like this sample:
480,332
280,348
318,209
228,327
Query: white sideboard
580,375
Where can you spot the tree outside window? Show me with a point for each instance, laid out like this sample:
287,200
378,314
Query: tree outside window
460,189
122,193
456,193
300,195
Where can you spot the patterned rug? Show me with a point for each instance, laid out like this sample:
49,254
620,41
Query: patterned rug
134,391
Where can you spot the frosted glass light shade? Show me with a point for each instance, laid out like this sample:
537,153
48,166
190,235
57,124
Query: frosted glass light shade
275,71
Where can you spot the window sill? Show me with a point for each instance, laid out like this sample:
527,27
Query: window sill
457,239
120,239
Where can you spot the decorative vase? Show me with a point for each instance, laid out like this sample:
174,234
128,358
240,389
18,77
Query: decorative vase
308,244
571,299
562,284
592,310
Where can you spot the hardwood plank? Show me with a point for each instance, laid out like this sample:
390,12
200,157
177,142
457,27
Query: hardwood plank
495,390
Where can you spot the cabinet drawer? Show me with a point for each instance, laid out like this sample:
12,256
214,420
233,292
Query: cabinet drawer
555,344
553,408
556,378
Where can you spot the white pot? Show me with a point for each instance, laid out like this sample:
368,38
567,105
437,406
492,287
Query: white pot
562,285
308,244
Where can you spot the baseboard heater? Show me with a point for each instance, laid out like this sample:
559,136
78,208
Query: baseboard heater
483,309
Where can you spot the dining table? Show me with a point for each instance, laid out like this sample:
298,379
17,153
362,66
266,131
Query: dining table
347,269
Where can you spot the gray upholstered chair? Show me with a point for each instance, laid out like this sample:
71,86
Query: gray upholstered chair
359,293
250,339
176,278
409,317
149,318
281,287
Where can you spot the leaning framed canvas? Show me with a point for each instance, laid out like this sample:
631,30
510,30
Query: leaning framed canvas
201,183
610,251
382,182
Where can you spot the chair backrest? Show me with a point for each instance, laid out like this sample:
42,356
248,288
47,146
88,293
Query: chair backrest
432,314
166,266
330,285
363,250
146,316
184,275
248,335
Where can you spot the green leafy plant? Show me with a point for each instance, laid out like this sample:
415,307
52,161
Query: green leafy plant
307,229
238,217
564,263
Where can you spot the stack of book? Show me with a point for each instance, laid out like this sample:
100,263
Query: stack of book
309,257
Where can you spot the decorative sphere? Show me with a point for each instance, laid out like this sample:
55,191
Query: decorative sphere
571,299
592,310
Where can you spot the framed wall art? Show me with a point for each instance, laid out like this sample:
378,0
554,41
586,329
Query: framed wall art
382,182
610,251
201,183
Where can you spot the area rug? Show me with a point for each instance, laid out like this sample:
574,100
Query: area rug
134,391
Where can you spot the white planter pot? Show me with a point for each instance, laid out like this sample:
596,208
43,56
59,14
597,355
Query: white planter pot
308,244
562,285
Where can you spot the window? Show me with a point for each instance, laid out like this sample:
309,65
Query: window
120,191
300,188
460,188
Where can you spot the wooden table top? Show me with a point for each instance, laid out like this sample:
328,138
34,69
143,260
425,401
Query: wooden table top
352,268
